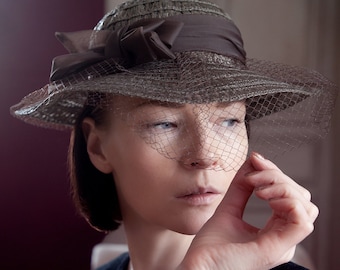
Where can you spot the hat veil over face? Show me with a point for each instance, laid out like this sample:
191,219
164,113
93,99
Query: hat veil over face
186,52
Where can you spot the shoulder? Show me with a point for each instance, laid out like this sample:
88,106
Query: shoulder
289,266
119,263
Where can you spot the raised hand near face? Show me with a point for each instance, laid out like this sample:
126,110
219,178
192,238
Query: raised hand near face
226,241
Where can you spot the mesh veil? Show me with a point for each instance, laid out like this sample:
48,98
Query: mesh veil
191,104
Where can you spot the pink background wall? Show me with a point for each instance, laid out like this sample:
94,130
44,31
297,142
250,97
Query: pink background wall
39,227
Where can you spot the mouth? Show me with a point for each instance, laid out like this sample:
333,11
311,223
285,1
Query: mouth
200,196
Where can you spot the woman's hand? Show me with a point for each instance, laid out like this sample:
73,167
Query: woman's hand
228,242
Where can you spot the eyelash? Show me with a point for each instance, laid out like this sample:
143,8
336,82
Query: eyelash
164,125
169,125
231,122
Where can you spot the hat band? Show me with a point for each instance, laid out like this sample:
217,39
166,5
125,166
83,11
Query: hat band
148,40
209,33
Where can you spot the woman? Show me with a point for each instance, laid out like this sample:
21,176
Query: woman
164,108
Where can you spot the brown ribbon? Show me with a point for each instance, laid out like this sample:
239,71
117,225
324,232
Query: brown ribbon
148,40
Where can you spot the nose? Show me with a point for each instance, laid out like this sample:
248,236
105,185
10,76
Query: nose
200,150
201,164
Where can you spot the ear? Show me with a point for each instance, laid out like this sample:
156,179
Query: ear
94,139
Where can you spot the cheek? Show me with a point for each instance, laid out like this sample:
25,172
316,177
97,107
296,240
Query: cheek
137,168
144,188
235,153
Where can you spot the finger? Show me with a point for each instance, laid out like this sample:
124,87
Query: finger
272,178
290,214
282,191
238,193
289,225
262,164
272,184
282,185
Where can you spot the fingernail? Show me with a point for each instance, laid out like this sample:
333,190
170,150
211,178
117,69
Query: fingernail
259,156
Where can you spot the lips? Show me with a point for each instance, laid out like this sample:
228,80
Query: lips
199,190
200,196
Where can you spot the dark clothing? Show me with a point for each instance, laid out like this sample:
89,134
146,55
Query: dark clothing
122,262
119,263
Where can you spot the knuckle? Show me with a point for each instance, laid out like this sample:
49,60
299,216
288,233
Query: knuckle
307,194
314,212
309,227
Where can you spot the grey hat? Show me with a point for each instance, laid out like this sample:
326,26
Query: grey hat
180,51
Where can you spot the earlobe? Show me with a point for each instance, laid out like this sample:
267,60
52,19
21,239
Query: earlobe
94,141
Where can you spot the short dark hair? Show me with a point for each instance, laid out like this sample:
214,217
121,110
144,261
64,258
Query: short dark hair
94,193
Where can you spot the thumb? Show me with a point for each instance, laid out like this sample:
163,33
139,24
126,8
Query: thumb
239,191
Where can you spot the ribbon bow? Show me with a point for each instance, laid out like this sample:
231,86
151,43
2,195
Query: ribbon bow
141,42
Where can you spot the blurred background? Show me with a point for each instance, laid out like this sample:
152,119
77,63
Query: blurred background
39,227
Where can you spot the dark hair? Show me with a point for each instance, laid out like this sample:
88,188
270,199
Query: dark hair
94,193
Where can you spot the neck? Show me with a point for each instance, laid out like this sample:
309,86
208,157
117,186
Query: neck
154,248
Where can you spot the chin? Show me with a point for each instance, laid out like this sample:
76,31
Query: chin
191,226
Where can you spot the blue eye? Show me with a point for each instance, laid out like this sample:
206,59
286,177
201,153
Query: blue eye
164,125
230,122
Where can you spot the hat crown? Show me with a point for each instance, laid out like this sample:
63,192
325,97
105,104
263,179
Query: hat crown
135,10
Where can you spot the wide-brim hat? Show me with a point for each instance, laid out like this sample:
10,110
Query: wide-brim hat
186,51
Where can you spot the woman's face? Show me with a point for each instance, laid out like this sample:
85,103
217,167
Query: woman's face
172,164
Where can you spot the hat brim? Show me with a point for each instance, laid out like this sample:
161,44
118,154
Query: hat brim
193,77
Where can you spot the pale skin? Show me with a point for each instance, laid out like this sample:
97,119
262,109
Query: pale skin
178,216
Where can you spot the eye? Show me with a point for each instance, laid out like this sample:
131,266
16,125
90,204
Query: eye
230,122
164,125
